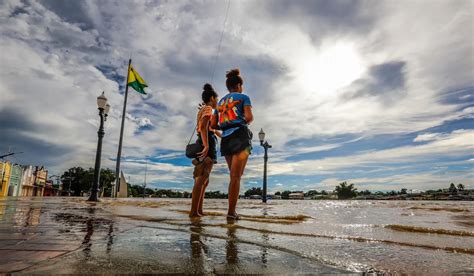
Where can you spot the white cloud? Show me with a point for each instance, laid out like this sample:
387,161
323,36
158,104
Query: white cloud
429,137
298,84
457,143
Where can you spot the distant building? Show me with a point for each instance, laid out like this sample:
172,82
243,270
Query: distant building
255,197
5,171
40,181
27,181
50,189
14,186
296,196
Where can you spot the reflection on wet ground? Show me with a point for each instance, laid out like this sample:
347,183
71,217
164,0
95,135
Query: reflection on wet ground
64,236
70,235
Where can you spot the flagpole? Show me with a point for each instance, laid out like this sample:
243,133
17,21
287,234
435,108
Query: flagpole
119,153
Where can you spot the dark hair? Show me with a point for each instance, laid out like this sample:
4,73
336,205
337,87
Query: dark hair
208,92
233,78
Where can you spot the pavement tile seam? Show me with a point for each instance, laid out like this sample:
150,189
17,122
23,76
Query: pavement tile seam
28,265
66,253
54,242
36,250
54,258
14,267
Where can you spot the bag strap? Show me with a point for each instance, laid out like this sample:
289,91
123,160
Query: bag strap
189,142
197,122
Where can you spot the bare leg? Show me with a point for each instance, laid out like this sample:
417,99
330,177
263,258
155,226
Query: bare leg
239,161
228,160
196,196
201,200
201,179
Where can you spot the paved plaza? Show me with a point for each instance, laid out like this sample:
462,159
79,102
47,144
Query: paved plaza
70,235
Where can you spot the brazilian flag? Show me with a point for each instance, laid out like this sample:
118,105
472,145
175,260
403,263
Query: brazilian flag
136,82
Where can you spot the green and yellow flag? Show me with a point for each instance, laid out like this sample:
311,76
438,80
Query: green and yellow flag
135,81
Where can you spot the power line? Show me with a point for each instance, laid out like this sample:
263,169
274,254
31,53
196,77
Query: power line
9,154
220,41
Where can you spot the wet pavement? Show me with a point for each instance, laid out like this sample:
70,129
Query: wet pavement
71,235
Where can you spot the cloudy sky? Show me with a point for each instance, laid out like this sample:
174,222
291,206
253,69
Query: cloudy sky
379,93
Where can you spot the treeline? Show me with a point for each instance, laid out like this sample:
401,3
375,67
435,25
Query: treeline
137,191
77,181
347,191
285,194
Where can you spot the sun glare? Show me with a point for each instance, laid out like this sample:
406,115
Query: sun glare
324,70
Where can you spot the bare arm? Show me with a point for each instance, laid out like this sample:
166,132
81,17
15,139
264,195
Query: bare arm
248,114
204,136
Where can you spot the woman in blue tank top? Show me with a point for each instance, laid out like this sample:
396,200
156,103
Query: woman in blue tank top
235,114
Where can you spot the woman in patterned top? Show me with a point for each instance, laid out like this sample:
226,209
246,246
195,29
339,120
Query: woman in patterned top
235,114
208,156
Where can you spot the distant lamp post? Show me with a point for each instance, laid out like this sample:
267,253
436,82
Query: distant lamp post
266,146
103,107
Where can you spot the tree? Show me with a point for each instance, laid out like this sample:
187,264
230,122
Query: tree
215,194
278,193
79,180
136,190
452,188
345,191
148,192
460,187
403,191
285,195
311,193
253,191
107,177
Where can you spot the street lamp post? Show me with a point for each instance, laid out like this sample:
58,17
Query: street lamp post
266,146
103,111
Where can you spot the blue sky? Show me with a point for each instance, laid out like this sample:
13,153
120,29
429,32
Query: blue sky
378,93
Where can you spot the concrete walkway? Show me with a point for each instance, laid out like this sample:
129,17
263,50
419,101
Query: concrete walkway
70,235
